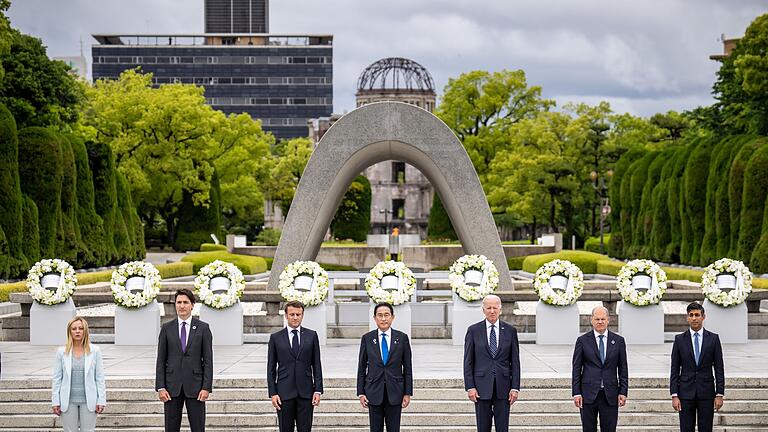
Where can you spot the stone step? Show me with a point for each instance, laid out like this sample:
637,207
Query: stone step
353,407
757,421
402,429
345,394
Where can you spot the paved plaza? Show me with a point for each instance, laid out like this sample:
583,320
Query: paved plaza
431,359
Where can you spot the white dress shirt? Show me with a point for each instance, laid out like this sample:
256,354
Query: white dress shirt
389,341
605,341
488,332
189,328
290,330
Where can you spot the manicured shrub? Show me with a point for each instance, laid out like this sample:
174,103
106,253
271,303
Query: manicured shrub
753,203
515,263
68,245
133,225
197,223
631,203
736,192
93,252
587,261
268,237
592,244
353,217
645,214
210,247
439,225
40,171
246,263
674,202
723,203
717,175
10,196
660,231
30,231
7,289
695,183
102,163
622,232
614,194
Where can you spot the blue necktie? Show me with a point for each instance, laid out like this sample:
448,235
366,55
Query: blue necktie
696,352
492,344
384,348
602,349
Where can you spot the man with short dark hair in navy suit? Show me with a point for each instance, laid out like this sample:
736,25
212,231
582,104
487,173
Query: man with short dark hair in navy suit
492,367
294,371
696,393
384,371
600,377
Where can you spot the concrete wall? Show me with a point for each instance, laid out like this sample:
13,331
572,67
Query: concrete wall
358,257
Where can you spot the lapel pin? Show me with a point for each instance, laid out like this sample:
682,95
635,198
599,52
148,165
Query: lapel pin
395,340
613,342
194,327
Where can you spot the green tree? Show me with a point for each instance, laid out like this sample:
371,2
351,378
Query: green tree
439,225
736,192
353,217
68,244
102,163
753,203
289,158
198,222
94,252
37,90
481,106
620,216
5,32
30,230
10,195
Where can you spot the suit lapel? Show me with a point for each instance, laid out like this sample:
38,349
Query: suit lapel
376,347
287,340
87,361
68,363
484,332
192,331
394,343
705,337
302,340
689,345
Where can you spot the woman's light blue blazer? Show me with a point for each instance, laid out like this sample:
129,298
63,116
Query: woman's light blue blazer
95,387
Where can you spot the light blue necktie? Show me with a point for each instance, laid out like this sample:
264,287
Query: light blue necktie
696,352
492,344
602,349
384,348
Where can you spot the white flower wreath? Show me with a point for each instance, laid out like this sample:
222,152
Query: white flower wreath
150,290
219,300
635,297
67,281
312,297
473,262
743,282
556,297
405,286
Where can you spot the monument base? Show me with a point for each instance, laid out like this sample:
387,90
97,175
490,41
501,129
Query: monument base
402,319
137,326
641,325
316,318
48,324
464,315
226,324
729,323
556,325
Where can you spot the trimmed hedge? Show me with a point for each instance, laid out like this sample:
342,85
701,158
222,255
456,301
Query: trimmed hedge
102,163
736,192
68,244
210,247
614,193
587,261
10,196
645,215
753,204
592,244
516,263
30,231
40,171
133,225
94,251
246,263
695,179
197,223
439,225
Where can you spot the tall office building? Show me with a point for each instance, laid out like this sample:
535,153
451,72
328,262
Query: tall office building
237,16
282,80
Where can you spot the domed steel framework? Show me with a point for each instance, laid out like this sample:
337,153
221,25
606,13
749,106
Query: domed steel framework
395,73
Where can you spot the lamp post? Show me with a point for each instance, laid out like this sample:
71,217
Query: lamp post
601,190
386,213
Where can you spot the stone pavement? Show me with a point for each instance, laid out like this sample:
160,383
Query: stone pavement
431,359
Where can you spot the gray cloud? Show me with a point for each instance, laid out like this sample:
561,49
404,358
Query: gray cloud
643,57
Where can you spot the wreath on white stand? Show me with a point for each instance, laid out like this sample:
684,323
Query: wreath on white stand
59,269
551,296
314,294
147,292
474,292
406,283
219,271
733,297
640,267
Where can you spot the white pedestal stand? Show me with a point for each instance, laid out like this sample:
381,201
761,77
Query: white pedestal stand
556,325
641,325
464,315
226,324
137,326
48,324
729,323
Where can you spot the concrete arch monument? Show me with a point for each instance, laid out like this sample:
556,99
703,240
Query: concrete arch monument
378,132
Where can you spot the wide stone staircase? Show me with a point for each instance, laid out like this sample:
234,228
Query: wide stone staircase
438,405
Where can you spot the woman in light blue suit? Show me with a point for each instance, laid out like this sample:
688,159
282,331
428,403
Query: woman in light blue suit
79,392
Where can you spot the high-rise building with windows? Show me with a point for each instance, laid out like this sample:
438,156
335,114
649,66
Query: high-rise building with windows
282,80
236,16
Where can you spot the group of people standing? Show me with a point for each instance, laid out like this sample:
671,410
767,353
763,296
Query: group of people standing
184,372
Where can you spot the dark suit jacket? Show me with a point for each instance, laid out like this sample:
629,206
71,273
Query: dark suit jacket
696,382
480,368
373,374
193,369
588,371
292,376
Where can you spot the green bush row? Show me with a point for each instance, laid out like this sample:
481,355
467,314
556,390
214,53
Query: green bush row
210,247
246,263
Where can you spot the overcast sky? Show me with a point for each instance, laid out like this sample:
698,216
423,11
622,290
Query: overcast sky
642,56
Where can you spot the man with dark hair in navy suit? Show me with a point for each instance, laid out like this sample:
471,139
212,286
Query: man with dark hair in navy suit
492,367
696,393
600,378
384,371
294,371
